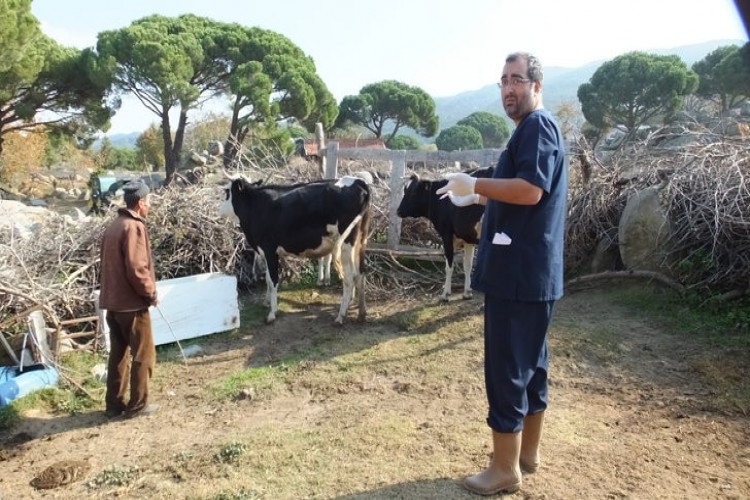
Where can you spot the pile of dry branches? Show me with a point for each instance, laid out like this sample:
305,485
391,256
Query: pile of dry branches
706,196
57,269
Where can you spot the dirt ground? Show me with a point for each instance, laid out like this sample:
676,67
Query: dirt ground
395,408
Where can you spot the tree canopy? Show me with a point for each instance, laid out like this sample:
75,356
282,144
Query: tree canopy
167,63
44,83
390,103
270,79
724,76
175,64
459,137
403,143
493,128
634,88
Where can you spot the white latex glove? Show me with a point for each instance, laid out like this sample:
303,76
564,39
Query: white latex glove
460,183
462,201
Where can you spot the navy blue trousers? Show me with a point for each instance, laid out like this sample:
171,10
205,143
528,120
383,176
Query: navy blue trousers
516,360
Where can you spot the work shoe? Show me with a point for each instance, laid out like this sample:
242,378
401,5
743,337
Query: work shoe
529,467
148,410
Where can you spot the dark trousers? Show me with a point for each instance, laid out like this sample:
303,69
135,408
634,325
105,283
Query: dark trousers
132,357
516,360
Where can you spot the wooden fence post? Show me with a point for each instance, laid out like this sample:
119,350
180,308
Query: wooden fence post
398,168
320,140
332,153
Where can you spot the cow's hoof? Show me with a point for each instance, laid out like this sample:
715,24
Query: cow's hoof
361,318
467,296
338,321
270,319
443,298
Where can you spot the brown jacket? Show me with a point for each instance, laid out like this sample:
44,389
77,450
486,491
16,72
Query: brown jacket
128,282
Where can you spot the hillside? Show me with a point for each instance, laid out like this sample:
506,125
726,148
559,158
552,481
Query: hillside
560,84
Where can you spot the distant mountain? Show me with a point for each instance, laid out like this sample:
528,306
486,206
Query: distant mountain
560,84
120,140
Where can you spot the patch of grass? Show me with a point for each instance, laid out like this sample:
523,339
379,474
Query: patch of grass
65,397
415,319
81,362
252,313
602,341
9,417
722,324
115,476
231,452
260,379
243,494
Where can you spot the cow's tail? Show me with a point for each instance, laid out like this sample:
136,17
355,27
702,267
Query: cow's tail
364,233
340,242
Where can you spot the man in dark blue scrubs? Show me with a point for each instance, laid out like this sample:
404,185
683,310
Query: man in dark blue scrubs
519,267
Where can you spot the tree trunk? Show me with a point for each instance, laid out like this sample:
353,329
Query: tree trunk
172,149
237,134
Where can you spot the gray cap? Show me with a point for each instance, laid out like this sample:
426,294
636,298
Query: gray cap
133,191
137,189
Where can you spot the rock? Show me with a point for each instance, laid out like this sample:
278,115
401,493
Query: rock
21,218
215,148
99,372
644,231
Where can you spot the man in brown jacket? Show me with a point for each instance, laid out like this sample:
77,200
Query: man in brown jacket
127,289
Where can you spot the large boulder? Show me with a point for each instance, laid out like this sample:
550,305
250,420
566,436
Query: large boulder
644,232
215,148
20,219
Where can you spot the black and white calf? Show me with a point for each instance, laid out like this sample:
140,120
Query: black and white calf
313,220
457,226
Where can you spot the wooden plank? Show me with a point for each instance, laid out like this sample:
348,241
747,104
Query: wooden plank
413,252
87,333
79,320
484,157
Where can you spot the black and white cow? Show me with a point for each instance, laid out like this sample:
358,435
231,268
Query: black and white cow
457,226
316,219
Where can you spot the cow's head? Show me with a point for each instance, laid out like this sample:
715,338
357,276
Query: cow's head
226,208
415,202
235,190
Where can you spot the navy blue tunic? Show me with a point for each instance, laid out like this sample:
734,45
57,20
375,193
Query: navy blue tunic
530,268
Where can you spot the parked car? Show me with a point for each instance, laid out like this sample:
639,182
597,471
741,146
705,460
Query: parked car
105,187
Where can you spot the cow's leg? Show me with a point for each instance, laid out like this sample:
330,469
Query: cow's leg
448,250
324,270
272,287
468,264
261,256
347,263
359,287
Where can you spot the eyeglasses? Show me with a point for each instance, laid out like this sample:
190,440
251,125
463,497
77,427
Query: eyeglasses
515,81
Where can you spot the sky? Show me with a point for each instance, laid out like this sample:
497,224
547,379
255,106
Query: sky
444,47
